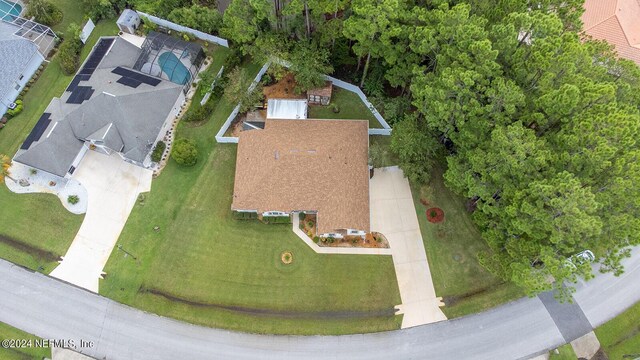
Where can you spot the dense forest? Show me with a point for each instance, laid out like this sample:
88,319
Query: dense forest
538,125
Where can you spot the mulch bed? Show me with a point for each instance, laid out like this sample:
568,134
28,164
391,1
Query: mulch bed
435,215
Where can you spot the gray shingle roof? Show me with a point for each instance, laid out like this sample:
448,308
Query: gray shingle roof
126,119
15,55
53,154
133,120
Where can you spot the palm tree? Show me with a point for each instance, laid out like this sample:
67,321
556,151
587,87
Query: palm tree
5,161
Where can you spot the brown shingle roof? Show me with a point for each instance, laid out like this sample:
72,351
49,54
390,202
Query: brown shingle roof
616,22
319,165
326,90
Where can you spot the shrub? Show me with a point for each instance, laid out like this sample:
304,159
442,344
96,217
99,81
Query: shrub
44,11
69,51
17,110
73,199
33,171
185,152
158,150
99,9
244,215
316,239
277,219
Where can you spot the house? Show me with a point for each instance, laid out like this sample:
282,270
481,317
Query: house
129,21
113,105
321,95
310,166
616,22
286,109
24,45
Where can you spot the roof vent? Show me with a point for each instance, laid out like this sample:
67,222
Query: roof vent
276,155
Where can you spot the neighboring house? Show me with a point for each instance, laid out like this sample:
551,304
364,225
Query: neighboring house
286,109
616,22
322,95
110,106
21,54
311,166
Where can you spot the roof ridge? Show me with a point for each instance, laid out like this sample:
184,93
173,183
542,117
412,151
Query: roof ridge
603,21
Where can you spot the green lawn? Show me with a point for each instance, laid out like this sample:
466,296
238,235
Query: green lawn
452,246
73,12
38,228
565,353
206,268
350,105
22,353
620,337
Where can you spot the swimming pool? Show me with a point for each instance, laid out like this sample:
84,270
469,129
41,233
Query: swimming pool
9,9
174,68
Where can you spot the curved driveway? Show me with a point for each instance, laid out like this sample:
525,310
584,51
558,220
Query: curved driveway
52,309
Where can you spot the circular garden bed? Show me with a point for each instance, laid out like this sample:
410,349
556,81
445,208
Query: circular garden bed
286,257
435,215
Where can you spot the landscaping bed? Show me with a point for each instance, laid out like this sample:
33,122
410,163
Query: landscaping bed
371,240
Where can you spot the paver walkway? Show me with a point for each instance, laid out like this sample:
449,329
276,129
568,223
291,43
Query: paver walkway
393,214
113,186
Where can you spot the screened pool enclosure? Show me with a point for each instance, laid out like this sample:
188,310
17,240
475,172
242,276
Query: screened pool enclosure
170,58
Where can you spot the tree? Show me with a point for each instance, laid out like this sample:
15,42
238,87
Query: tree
245,20
237,89
185,152
309,64
99,9
370,19
197,17
44,12
69,52
5,164
415,147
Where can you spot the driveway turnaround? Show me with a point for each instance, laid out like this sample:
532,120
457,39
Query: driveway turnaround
522,329
394,215
113,186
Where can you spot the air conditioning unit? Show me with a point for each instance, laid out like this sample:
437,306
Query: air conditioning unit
12,105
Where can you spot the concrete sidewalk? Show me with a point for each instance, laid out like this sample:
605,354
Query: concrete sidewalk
113,186
393,214
334,250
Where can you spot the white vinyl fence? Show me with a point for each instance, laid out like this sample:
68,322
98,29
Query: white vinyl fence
385,130
177,27
230,139
206,96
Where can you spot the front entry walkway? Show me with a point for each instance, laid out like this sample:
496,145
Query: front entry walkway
394,215
113,186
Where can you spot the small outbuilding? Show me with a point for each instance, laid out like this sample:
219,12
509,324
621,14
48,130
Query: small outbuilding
129,21
321,95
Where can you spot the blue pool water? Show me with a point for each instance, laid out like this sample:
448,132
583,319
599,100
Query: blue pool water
175,70
8,8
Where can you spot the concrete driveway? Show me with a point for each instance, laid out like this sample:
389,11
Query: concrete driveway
113,186
393,214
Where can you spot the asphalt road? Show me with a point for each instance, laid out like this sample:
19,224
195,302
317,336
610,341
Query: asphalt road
53,309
